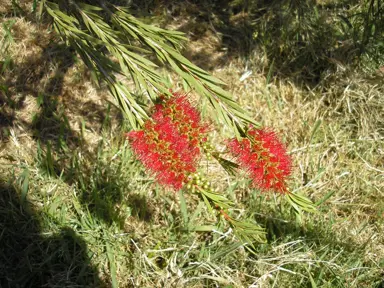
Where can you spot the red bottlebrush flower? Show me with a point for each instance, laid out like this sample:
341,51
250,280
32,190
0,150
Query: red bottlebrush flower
168,145
265,159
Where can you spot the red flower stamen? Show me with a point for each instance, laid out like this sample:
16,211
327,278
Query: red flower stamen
265,159
168,145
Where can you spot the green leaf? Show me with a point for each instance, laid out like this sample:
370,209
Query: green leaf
248,232
325,198
24,184
216,198
34,6
228,166
203,228
300,202
207,203
89,7
226,251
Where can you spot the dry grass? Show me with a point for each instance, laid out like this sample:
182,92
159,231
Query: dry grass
132,232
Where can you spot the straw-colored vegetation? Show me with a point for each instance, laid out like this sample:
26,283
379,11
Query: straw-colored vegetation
77,210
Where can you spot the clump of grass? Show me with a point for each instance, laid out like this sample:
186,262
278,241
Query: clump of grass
82,212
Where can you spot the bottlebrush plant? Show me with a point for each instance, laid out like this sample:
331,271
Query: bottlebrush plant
169,143
265,159
117,47
170,147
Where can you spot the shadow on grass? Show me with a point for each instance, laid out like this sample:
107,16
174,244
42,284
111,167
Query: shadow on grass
304,41
103,187
26,79
41,78
326,249
311,234
100,190
29,257
140,208
105,194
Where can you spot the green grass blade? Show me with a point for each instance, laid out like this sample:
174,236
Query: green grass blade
112,266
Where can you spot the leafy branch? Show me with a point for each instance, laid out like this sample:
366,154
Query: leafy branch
111,41
246,231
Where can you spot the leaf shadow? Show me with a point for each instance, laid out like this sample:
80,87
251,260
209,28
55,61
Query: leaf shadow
42,78
140,207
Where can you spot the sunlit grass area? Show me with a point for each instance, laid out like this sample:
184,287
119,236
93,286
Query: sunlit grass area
77,209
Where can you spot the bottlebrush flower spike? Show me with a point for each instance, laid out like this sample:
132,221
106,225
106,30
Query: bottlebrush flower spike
265,159
168,145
